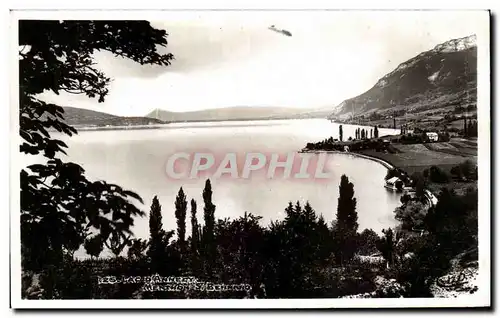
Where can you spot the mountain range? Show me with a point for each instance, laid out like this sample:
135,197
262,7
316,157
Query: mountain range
441,77
239,113
85,117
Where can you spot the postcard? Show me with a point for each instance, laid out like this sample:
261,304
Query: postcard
250,159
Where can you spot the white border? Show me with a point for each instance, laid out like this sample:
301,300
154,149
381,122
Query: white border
481,298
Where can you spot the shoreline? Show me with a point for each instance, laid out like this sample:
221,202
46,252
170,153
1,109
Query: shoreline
431,197
385,163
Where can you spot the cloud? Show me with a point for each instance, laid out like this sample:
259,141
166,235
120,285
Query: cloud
231,58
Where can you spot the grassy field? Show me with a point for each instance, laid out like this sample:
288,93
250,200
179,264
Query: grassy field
445,155
418,157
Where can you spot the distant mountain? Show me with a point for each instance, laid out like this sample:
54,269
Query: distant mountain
239,113
444,76
85,117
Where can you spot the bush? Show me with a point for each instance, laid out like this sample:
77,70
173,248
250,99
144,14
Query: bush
444,136
411,215
367,242
438,175
457,172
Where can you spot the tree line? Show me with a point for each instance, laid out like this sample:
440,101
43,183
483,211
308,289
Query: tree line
299,256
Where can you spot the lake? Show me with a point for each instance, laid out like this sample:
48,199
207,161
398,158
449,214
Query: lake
136,159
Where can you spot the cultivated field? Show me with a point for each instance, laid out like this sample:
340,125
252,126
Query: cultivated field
419,157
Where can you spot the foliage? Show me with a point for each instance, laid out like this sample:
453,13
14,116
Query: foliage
291,258
367,242
59,205
137,249
471,130
158,251
208,239
388,246
453,221
195,240
465,170
411,215
180,215
450,228
93,246
347,222
419,182
438,175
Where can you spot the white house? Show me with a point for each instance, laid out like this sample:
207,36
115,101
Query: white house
391,183
432,136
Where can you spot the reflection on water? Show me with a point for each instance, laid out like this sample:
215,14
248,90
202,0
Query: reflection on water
135,159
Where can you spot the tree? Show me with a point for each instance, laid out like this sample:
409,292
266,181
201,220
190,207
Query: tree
298,208
367,242
59,205
411,215
195,238
240,246
158,238
117,242
180,215
468,169
438,175
93,246
387,246
375,132
340,133
453,221
309,213
347,222
209,248
371,133
137,249
289,210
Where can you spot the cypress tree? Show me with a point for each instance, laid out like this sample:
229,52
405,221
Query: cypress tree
156,236
180,215
346,222
340,133
209,228
469,129
195,238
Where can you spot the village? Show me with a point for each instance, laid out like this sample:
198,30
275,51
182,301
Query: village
419,161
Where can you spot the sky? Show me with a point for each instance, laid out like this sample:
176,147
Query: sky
232,58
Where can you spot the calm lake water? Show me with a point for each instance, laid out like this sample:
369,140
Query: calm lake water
136,159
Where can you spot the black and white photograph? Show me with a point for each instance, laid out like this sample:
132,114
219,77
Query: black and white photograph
233,157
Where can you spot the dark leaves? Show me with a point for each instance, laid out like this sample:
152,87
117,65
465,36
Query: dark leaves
59,206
